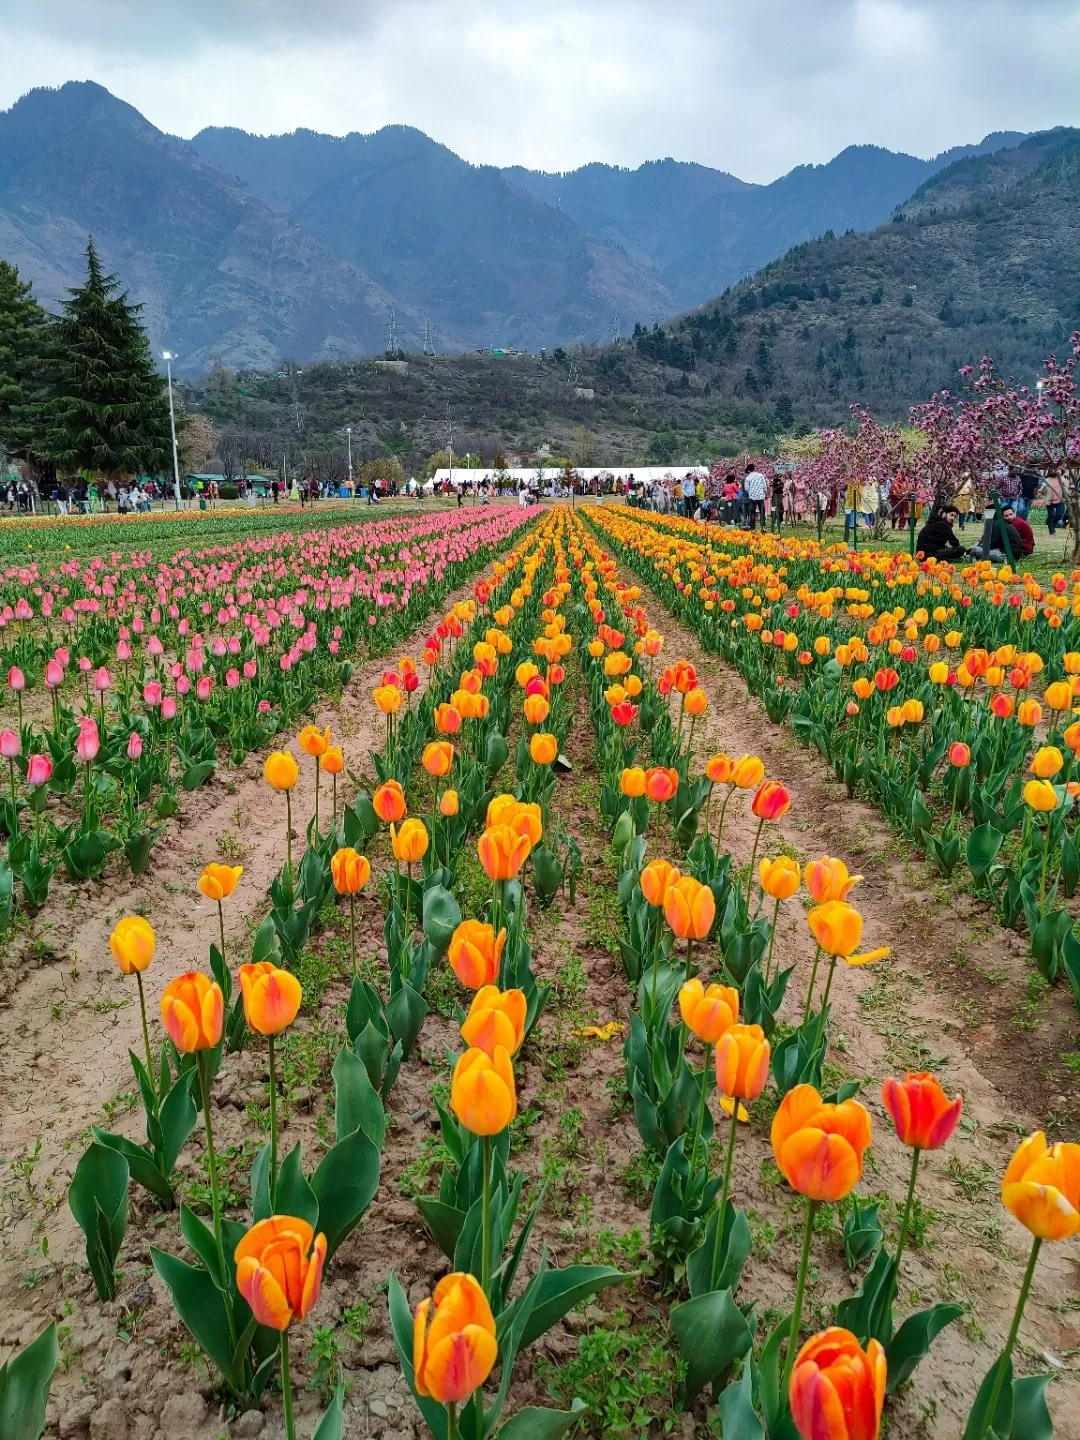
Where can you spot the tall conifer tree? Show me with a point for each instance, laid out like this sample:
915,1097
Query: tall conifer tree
109,410
24,328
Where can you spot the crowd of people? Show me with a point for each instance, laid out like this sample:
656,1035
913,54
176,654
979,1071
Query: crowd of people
1011,537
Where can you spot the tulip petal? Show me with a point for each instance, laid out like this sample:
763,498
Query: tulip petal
819,1165
263,1293
459,1364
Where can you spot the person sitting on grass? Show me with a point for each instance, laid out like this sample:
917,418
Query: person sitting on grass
1022,528
1003,530
937,539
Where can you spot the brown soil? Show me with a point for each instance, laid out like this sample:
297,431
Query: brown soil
127,1370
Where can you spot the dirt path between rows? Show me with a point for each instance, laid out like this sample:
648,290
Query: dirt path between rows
936,1003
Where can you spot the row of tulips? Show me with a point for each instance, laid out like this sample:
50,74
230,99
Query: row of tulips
150,670
950,742
834,1385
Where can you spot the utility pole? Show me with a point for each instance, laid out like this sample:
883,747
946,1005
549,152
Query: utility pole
391,338
348,432
169,357
429,336
450,440
296,400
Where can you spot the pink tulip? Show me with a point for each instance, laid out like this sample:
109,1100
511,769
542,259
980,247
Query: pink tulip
123,651
85,664
264,707
87,746
152,693
202,690
232,678
250,669
154,646
102,680
39,770
16,679
54,675
10,744
134,746
168,708
176,670
183,684
62,656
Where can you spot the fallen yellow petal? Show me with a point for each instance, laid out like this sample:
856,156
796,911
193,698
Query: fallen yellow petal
727,1104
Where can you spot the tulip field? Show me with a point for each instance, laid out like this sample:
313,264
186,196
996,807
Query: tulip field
442,999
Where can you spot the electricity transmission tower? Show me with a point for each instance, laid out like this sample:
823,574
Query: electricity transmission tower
391,338
429,336
616,328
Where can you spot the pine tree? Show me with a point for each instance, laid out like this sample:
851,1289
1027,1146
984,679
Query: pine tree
24,328
109,412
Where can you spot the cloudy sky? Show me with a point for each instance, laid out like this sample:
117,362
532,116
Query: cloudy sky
750,88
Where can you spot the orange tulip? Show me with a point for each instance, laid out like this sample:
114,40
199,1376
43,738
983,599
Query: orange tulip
1029,712
475,953
333,762
502,852
923,1114
819,1148
543,748
314,741
742,1062
837,1389
132,943
632,782
448,803
959,755
453,1354
863,688
217,882
708,1013
696,702
689,908
281,770
1002,706
447,719
748,772
350,870
1041,1188
410,843
1058,695
271,997
1072,737
656,880
719,769
389,802
1047,762
536,709
661,784
482,1091
279,1265
438,758
771,801
779,877
496,1017
192,1011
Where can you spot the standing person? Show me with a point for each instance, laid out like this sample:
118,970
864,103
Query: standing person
800,497
755,488
870,503
134,498
1052,495
731,497
688,496
1029,488
964,499
777,501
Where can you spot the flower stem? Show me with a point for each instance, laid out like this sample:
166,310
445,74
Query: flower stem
221,929
753,857
451,1422
906,1221
316,795
485,1250
810,987
800,1291
273,1119
286,1387
701,1108
352,931
215,1193
725,1195
1025,1291
772,941
146,1037
824,1003
288,831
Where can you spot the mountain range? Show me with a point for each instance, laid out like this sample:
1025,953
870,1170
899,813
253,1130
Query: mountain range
316,247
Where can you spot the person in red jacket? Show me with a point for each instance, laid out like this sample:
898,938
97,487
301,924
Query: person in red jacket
1022,528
